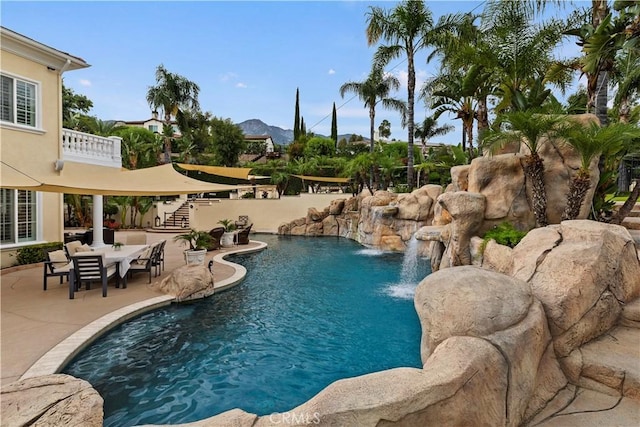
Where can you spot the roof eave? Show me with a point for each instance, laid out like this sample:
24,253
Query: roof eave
25,47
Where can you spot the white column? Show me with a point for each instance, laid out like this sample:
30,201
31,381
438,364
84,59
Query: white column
98,240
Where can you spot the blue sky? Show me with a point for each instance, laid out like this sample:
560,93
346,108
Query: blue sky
248,57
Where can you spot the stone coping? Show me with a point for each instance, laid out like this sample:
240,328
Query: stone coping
59,356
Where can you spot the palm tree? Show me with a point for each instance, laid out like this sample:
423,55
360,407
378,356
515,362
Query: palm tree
529,128
428,129
590,142
450,93
172,94
407,28
373,91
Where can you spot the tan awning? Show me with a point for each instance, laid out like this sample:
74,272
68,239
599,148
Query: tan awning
238,173
324,179
80,178
11,177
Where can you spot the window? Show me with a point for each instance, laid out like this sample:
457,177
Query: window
18,101
18,219
153,128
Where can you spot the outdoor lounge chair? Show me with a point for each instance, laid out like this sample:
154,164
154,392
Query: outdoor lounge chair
242,236
242,221
215,233
58,265
90,267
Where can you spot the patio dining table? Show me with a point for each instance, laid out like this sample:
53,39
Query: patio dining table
124,255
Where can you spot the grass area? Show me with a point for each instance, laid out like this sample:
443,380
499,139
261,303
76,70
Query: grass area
619,198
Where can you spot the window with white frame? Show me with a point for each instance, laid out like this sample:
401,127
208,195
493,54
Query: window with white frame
153,128
18,101
18,219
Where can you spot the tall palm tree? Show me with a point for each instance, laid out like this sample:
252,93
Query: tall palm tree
590,142
373,91
428,129
172,94
407,28
529,128
450,93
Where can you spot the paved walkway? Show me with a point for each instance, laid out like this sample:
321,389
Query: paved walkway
34,321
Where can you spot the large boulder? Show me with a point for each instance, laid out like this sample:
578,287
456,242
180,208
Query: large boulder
470,301
582,272
51,400
501,180
187,283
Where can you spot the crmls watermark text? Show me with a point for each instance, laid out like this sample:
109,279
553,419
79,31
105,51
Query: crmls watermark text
293,418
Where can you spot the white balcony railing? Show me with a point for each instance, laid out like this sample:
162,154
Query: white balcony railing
87,148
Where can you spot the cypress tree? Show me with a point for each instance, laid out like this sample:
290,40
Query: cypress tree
334,125
296,121
303,127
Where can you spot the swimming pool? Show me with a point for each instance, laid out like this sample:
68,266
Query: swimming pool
310,311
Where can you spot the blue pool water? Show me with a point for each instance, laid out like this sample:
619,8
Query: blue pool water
310,311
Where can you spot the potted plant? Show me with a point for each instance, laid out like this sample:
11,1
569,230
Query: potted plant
229,227
197,241
117,246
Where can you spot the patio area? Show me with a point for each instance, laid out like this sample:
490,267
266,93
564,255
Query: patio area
34,321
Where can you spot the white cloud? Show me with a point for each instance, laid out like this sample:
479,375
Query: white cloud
241,85
85,82
332,71
228,76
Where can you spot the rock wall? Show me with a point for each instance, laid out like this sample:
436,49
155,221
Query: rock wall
384,220
483,194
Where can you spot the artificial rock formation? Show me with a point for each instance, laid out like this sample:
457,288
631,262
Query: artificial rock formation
489,338
384,219
483,194
187,283
52,400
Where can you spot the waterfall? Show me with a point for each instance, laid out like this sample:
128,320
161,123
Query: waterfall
406,287
409,273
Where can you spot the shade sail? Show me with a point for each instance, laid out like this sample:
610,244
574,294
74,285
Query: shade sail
11,177
79,178
237,173
324,179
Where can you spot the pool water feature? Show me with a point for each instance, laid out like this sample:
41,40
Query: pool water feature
310,311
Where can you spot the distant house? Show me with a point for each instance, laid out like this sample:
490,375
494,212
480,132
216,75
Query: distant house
260,148
154,124
265,140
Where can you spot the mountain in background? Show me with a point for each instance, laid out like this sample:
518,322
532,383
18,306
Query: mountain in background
280,136
258,127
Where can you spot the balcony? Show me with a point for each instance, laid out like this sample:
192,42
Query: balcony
87,148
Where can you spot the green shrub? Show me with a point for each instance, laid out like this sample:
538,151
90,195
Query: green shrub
36,253
401,188
504,234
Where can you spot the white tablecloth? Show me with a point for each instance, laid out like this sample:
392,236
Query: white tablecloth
124,255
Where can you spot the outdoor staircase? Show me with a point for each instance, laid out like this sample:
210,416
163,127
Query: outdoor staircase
176,223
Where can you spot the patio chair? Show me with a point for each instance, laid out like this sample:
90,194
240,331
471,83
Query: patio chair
90,267
215,233
144,263
158,260
72,247
137,239
57,265
242,221
242,236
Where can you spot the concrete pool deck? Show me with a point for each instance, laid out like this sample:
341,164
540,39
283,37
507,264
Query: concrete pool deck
42,330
